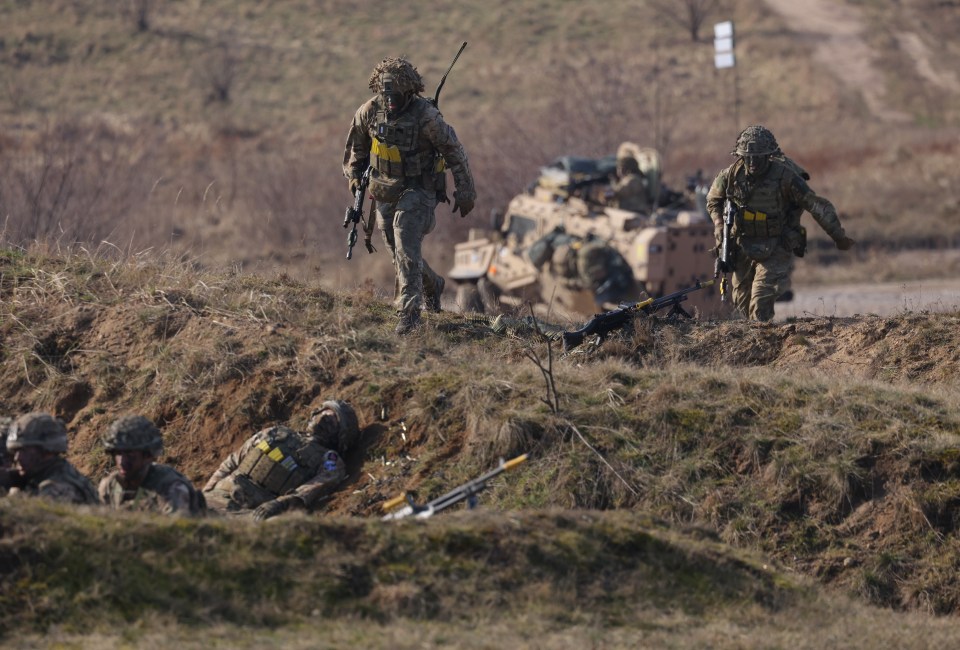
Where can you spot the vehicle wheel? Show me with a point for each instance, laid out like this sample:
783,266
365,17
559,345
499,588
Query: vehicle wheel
489,296
468,297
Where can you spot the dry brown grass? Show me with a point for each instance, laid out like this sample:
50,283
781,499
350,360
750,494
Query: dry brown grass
149,161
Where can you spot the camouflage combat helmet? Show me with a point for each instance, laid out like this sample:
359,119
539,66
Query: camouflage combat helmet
349,431
38,430
756,140
406,79
133,433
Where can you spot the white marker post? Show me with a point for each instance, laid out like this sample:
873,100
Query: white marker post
725,58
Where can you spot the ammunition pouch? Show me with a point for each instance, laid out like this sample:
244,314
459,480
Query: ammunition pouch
386,189
758,249
795,239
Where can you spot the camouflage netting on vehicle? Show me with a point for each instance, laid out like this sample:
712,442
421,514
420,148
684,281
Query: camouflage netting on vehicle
405,76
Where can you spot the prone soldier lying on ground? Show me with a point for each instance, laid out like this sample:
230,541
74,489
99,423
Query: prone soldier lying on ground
38,442
279,469
138,483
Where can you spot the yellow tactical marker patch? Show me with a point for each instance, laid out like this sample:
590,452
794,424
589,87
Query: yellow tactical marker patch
754,216
263,446
276,455
384,152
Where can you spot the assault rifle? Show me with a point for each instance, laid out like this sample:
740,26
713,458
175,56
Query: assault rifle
355,215
467,492
724,263
603,324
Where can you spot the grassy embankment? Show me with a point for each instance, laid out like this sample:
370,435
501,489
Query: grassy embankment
829,446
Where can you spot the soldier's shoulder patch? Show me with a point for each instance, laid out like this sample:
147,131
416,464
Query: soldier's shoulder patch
330,461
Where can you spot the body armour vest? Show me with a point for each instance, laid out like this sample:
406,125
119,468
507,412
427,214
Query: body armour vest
282,461
152,493
63,472
397,155
762,213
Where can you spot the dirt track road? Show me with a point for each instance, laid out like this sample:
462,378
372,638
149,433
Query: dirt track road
837,33
882,299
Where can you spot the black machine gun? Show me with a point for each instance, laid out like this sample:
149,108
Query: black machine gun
724,263
603,324
467,492
354,215
580,183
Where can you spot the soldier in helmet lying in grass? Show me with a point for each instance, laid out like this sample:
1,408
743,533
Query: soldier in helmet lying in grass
279,469
138,483
37,442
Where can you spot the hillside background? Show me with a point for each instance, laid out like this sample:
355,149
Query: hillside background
216,128
172,200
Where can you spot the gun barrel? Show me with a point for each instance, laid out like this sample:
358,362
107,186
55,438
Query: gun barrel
465,491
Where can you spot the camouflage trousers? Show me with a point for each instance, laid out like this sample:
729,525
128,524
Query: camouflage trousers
756,284
403,225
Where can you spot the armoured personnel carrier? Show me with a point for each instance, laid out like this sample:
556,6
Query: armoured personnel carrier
666,248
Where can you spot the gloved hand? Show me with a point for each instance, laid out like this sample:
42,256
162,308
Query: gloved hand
354,184
845,243
721,268
465,205
275,507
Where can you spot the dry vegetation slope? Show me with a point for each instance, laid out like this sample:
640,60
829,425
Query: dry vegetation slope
157,157
832,445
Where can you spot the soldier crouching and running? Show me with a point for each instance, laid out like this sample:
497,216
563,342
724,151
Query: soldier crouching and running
404,140
768,196
38,442
134,442
279,469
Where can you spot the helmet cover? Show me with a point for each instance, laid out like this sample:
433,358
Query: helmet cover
38,430
133,433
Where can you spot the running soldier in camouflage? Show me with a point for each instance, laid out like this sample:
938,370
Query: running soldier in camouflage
769,195
279,469
134,442
38,442
403,138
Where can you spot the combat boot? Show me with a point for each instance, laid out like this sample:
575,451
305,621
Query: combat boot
408,323
433,300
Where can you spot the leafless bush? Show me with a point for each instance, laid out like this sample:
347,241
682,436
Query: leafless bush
75,183
218,72
689,14
140,12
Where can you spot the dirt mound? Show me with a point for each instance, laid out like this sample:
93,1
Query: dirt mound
830,444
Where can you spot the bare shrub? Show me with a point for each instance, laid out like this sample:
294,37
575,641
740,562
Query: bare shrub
74,183
689,14
217,71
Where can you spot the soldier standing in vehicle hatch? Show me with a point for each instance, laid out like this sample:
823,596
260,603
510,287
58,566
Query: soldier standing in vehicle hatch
404,140
768,196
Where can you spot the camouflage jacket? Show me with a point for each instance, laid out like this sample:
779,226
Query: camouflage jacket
59,481
785,188
225,480
630,193
434,136
163,490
